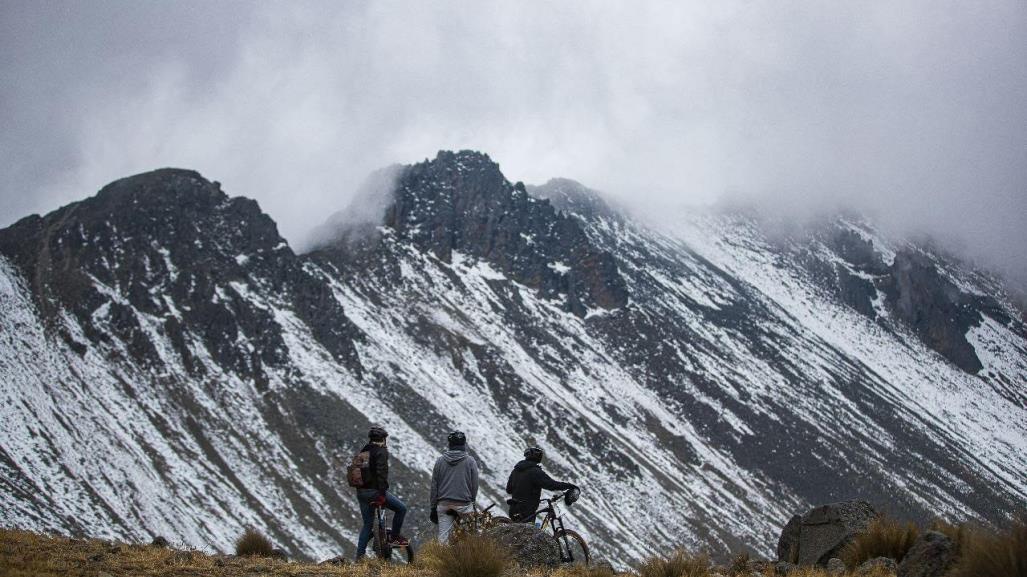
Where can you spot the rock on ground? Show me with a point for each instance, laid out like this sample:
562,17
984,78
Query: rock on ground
528,545
782,568
868,566
824,531
836,566
931,555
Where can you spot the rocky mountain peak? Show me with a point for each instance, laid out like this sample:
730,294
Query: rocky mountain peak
161,182
460,203
153,252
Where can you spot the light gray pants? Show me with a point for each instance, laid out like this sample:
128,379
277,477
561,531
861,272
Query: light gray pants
447,521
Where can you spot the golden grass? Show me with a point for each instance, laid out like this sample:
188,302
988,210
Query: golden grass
821,572
957,533
579,570
471,556
740,563
26,554
253,543
993,554
678,564
884,537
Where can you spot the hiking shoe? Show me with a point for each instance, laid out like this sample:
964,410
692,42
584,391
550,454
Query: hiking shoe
399,541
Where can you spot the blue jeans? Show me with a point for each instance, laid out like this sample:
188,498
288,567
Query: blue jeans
398,508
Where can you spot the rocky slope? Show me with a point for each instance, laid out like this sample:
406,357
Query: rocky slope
169,365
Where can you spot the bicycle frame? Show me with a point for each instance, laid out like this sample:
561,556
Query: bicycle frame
552,518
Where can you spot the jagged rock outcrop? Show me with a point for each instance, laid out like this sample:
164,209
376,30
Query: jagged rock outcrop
172,245
460,202
933,307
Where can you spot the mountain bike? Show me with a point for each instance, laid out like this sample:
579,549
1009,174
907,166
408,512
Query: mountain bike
477,521
380,535
573,548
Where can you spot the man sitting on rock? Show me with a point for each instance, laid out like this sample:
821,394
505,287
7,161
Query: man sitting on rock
526,483
454,485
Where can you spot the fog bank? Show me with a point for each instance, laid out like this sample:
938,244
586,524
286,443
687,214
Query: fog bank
912,110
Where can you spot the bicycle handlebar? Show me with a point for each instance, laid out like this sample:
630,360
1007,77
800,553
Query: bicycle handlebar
556,498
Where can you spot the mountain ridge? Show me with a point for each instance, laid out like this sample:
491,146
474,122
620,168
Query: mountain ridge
732,375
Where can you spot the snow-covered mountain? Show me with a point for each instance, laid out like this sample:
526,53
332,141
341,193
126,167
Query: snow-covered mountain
168,364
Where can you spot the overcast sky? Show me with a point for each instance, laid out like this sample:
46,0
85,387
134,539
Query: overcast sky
914,110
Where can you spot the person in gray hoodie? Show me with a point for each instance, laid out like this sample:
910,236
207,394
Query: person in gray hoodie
454,485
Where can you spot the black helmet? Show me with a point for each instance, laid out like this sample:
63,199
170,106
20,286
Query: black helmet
534,454
571,496
377,433
457,439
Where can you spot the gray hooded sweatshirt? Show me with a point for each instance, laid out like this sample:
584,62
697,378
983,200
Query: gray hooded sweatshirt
455,477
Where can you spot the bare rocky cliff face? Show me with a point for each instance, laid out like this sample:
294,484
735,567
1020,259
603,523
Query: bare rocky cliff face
168,364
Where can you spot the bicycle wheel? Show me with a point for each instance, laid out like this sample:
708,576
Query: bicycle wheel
501,520
401,554
380,542
573,548
392,554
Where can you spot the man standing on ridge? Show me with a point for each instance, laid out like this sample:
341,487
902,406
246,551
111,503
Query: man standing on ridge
374,491
454,485
526,483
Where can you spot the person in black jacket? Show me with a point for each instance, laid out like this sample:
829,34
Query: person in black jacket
526,483
374,491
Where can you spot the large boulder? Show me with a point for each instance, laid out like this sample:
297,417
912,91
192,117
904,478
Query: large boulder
931,555
528,545
823,532
788,544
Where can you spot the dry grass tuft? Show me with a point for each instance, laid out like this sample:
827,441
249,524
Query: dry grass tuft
678,564
884,537
989,554
740,564
253,543
958,533
471,556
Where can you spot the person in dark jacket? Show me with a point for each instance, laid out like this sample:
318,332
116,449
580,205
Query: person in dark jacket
526,484
375,491
454,485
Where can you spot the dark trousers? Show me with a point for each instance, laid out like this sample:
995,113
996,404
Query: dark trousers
392,503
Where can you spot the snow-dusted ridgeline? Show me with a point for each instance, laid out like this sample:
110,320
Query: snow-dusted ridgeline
204,378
